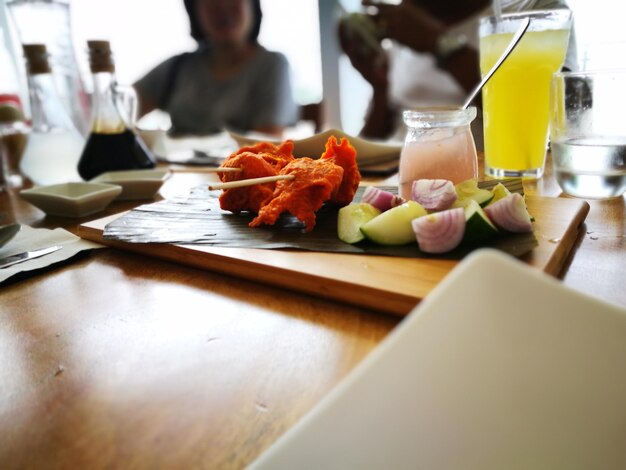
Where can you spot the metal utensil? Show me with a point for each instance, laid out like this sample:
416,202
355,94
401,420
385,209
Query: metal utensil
27,255
518,35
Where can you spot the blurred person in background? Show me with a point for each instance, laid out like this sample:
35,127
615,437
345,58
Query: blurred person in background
433,59
229,82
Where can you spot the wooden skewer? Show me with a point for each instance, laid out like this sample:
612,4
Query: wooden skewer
249,182
205,170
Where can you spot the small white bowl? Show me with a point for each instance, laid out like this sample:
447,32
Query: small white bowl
72,199
136,184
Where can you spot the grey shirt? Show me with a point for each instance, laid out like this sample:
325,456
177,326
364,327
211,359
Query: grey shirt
260,95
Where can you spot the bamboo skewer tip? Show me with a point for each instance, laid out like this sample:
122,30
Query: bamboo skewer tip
249,182
206,170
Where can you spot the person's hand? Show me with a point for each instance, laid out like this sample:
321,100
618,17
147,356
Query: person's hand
407,24
364,51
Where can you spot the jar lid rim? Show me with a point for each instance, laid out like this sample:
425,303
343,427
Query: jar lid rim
439,116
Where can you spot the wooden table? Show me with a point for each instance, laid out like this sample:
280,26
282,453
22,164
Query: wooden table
118,360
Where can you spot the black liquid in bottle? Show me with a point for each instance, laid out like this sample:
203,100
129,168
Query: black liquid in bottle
113,151
112,145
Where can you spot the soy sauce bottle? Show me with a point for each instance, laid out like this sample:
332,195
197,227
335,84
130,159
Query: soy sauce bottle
111,145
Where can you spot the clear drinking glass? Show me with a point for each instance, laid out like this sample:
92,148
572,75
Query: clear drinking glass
588,133
516,99
438,145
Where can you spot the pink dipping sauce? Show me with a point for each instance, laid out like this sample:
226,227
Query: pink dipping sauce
439,145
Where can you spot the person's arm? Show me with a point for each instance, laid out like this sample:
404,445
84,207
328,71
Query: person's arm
145,104
155,88
464,66
414,27
380,115
372,64
274,107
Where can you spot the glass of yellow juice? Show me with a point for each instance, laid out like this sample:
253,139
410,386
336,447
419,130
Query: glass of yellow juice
516,100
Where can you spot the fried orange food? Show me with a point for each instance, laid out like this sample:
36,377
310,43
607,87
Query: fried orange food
255,161
284,149
344,155
278,156
332,178
314,183
249,198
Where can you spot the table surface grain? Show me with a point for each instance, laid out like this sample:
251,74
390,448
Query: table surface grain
119,360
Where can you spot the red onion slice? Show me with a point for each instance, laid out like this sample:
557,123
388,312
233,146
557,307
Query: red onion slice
434,195
440,232
510,214
381,199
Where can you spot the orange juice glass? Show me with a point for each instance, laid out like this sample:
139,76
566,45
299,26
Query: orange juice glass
516,100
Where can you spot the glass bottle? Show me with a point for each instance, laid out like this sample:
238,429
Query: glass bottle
54,145
438,145
13,126
49,22
112,144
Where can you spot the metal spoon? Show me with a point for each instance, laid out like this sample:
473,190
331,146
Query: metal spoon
8,232
518,35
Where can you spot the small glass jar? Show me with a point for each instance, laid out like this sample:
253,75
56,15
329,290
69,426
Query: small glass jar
438,145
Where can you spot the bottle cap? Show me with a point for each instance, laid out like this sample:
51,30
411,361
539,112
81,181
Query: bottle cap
100,57
36,58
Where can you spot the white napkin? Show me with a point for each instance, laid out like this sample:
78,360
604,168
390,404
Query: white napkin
29,239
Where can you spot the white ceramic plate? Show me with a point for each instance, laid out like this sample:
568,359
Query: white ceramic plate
72,199
368,152
500,367
136,184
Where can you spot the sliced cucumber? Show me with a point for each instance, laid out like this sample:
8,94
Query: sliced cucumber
393,227
478,227
499,191
351,218
469,191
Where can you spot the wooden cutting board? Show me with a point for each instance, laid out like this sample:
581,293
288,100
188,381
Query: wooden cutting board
389,284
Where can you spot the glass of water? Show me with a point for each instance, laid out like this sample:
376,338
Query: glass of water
588,133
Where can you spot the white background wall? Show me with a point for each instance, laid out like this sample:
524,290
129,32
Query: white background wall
600,27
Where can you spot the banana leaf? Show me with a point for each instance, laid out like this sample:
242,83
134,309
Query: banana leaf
197,219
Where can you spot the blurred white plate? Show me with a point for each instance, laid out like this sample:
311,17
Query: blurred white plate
7,233
136,184
368,152
500,367
72,199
